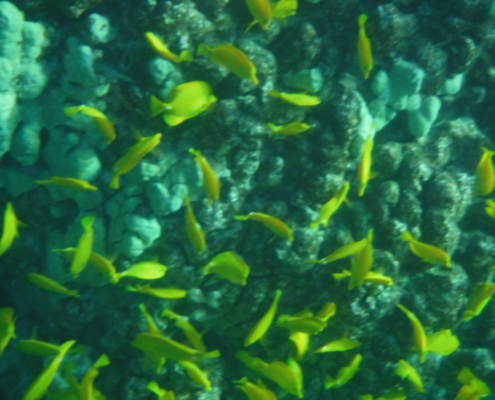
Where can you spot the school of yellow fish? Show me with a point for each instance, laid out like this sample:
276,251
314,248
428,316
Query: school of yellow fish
187,101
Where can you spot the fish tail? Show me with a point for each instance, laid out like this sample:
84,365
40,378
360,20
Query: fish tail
186,55
251,25
42,182
157,106
491,153
273,127
329,382
314,261
315,224
114,183
362,20
212,354
70,111
406,236
73,293
241,217
203,49
87,222
195,152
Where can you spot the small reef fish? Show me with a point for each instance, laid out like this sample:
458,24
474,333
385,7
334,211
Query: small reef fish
186,101
132,158
343,344
161,48
261,10
292,129
278,227
364,171
479,298
427,252
196,374
161,346
39,387
7,327
10,231
84,246
407,371
162,293
365,57
151,359
161,393
261,327
373,277
189,330
211,184
472,385
87,389
228,265
485,174
51,285
420,340
283,9
362,263
104,124
144,270
331,206
288,376
231,58
301,341
193,228
342,252
345,374
442,342
327,311
490,207
393,395
73,183
298,99
304,322
255,392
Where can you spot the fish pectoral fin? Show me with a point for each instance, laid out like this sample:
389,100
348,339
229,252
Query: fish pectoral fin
373,175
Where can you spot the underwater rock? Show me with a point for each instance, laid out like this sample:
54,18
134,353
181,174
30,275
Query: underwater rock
100,29
406,79
422,114
26,143
74,8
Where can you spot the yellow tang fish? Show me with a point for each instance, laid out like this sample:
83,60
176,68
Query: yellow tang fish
144,270
479,298
84,247
210,180
345,374
194,232
39,387
10,225
87,389
392,395
161,393
162,293
343,344
288,376
255,392
485,174
73,183
196,374
304,322
51,285
427,252
104,124
230,266
365,57
420,340
161,48
442,342
189,330
372,277
7,327
466,377
294,128
331,206
362,263
283,9
342,252
261,10
406,370
364,171
186,101
298,99
278,227
135,154
231,58
264,323
301,341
